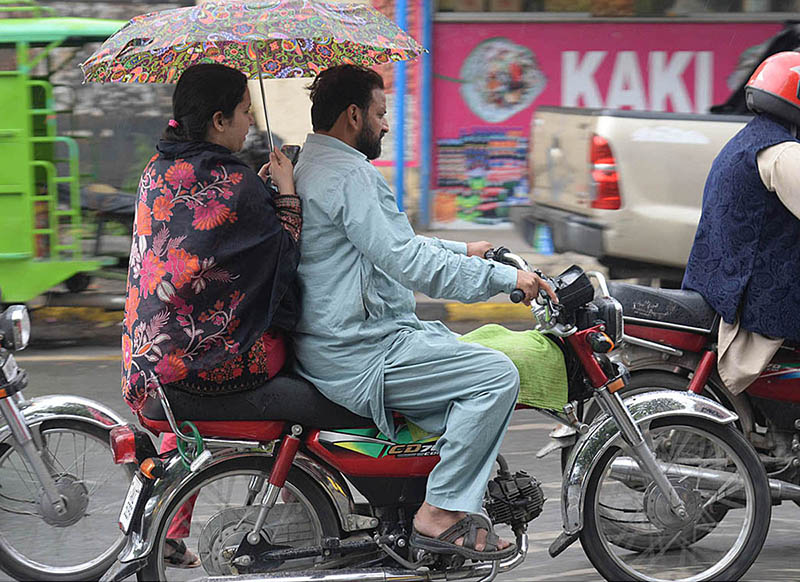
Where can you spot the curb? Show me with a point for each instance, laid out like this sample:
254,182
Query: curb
488,311
65,326
60,326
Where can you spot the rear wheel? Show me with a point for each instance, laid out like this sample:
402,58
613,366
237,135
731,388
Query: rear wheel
630,531
225,508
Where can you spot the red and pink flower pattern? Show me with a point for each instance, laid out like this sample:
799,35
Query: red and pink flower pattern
189,287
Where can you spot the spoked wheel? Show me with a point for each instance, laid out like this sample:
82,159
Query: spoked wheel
630,531
213,512
38,544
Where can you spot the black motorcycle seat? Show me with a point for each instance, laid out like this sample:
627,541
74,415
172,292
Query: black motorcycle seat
674,306
284,397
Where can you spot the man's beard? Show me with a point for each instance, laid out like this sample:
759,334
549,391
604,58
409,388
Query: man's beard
368,143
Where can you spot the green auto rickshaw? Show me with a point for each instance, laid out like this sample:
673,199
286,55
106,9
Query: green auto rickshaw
40,194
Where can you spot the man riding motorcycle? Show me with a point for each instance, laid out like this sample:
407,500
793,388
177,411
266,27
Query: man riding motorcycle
746,253
359,341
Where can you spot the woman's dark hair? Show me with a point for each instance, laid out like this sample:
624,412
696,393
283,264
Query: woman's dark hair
203,90
335,89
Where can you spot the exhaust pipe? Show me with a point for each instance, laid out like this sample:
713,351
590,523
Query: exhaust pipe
627,470
486,570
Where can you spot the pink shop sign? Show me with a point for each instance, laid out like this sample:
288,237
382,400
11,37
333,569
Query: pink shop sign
497,73
490,77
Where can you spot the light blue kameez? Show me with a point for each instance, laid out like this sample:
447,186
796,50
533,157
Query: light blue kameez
359,339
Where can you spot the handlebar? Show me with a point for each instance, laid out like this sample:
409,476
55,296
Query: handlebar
545,311
503,255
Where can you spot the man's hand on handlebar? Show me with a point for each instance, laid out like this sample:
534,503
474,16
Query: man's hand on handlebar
530,284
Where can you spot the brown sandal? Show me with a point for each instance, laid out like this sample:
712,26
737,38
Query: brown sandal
466,528
181,556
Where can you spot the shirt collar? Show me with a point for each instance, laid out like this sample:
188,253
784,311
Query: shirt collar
333,142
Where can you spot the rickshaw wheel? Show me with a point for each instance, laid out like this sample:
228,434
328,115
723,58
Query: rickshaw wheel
78,282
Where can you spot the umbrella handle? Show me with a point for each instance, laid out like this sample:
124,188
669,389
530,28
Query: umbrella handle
264,101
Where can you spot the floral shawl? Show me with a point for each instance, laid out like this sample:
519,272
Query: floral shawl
212,269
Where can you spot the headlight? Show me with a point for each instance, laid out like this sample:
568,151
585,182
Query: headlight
15,328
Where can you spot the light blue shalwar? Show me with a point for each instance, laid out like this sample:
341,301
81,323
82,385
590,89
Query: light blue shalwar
359,339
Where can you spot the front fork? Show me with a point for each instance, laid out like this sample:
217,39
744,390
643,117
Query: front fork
31,450
612,405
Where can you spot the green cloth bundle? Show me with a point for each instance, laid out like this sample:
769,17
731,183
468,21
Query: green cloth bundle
542,373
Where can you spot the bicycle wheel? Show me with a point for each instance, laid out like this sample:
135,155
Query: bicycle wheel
37,544
225,506
630,532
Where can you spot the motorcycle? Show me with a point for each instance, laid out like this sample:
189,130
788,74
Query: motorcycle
670,342
59,492
660,487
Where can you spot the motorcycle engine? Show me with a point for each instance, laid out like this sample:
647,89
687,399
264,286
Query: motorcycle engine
514,499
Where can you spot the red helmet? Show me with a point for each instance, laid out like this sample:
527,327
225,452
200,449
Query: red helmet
774,87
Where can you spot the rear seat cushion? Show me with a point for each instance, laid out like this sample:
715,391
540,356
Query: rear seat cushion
284,397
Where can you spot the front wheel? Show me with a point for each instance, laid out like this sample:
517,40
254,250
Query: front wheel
630,532
213,512
38,544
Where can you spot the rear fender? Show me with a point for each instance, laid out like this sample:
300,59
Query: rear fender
604,433
142,535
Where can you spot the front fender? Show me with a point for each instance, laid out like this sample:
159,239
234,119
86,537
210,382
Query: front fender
604,432
143,531
64,407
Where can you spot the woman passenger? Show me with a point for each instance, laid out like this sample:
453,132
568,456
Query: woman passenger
211,284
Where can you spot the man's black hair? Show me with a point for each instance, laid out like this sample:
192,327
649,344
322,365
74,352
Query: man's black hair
335,89
203,90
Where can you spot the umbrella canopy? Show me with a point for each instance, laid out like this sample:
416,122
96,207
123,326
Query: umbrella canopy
274,39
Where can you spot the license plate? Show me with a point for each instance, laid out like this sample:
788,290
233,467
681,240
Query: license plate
10,368
130,504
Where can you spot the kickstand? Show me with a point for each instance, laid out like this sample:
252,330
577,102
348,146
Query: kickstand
493,573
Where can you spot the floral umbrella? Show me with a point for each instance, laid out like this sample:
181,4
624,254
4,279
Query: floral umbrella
274,39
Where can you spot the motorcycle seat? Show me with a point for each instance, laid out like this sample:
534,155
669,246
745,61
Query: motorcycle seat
670,306
284,398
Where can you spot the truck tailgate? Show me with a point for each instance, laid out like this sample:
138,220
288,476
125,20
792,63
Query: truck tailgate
559,158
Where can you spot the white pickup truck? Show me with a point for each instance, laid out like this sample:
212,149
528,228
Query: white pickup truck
623,186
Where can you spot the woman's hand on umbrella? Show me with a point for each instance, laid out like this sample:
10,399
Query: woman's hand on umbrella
281,170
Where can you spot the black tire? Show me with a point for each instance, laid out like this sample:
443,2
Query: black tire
306,491
740,560
24,560
78,283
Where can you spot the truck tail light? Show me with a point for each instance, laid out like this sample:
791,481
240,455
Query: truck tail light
605,179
